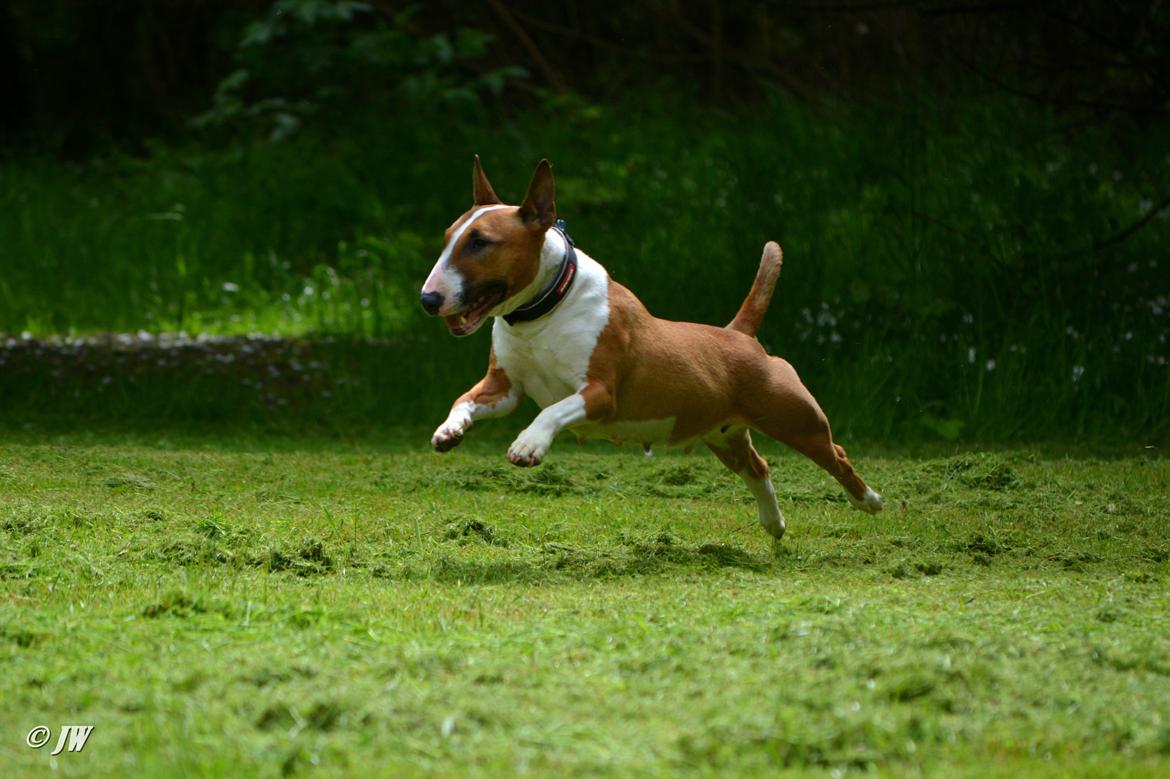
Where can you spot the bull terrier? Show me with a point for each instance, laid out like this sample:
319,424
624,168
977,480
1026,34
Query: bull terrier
598,363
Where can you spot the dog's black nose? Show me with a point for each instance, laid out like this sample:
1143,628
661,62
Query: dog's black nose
431,302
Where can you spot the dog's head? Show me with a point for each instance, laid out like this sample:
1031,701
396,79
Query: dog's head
492,253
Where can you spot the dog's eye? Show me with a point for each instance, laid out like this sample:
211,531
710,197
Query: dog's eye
478,243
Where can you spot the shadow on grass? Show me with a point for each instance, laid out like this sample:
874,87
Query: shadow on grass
661,554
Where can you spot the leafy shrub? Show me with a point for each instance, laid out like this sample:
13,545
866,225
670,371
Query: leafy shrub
311,57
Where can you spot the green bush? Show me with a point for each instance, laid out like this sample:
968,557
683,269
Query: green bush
954,267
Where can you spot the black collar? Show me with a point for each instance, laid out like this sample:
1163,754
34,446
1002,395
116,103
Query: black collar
548,298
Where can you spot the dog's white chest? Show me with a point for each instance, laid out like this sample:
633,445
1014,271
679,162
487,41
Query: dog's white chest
549,359
544,372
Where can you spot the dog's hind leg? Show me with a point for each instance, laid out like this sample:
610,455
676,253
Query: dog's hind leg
786,410
738,454
819,448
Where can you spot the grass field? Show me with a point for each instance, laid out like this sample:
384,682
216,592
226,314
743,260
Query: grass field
227,607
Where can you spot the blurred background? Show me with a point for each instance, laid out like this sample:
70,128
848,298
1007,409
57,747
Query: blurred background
218,213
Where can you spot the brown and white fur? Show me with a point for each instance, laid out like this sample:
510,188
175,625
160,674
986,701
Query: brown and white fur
601,365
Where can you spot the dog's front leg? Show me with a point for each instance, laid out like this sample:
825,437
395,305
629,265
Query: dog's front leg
593,402
493,396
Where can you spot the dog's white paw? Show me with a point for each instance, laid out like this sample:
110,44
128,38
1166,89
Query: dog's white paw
529,448
774,525
871,503
447,437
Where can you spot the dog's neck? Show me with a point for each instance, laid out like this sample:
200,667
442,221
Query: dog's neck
552,254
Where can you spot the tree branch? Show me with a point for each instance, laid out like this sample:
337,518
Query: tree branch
1118,237
550,74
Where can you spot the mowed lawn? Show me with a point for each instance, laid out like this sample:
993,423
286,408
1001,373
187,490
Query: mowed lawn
232,607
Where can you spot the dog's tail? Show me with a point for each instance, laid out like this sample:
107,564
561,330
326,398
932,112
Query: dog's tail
755,305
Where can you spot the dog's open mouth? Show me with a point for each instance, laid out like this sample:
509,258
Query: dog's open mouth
468,321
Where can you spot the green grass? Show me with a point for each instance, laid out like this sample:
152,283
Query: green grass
964,259
227,607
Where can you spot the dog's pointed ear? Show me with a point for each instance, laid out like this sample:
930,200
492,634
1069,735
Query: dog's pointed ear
481,188
539,209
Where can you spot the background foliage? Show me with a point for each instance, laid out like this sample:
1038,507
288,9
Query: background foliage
975,235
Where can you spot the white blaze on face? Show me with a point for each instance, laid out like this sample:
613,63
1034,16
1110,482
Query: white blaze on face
445,279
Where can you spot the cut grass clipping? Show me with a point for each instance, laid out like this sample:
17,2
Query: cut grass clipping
228,608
